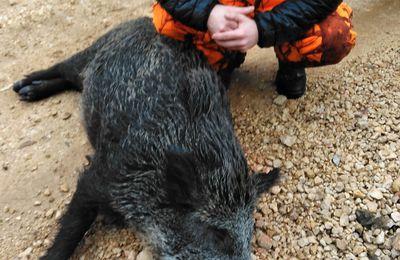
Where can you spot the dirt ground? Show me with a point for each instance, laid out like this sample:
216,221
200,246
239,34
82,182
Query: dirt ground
43,145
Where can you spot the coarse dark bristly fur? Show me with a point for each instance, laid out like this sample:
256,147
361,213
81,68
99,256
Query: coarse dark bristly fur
166,157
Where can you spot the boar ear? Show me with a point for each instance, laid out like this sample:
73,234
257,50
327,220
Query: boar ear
264,181
181,179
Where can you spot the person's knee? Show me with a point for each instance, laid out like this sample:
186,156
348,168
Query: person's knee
338,37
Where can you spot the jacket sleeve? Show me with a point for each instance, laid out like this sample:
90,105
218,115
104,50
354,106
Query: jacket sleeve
193,13
291,19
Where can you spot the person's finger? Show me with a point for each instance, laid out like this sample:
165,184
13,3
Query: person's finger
235,17
228,36
241,10
232,45
229,26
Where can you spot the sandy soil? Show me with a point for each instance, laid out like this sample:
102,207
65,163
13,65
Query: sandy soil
43,146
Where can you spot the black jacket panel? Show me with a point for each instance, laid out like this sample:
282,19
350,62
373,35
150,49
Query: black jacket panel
291,19
193,13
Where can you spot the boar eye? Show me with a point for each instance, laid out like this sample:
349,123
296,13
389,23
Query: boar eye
222,239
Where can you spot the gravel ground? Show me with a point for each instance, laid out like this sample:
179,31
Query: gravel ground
339,146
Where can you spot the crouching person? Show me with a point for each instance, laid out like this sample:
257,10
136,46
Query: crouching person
305,33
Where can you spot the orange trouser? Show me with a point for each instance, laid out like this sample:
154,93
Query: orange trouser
325,43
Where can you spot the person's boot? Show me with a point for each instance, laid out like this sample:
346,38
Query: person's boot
291,80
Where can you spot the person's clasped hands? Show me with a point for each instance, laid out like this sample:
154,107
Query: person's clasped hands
231,28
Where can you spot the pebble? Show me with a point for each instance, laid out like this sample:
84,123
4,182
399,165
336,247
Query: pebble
372,206
275,190
344,220
37,243
50,213
380,239
365,218
145,255
26,144
383,222
58,215
336,159
341,244
26,253
396,242
263,240
37,203
64,188
395,216
318,180
396,185
359,194
357,250
130,255
280,100
302,242
47,192
117,251
339,187
66,116
288,140
277,163
326,203
289,165
336,231
363,123
376,194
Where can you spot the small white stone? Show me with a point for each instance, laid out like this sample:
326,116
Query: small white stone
280,100
344,220
47,192
288,140
376,194
326,203
318,180
396,185
289,165
336,159
64,188
26,253
130,255
358,194
395,216
275,190
144,255
263,240
341,244
358,249
302,242
49,213
380,239
277,163
372,206
396,242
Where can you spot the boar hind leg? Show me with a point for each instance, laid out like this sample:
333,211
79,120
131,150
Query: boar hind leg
80,214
